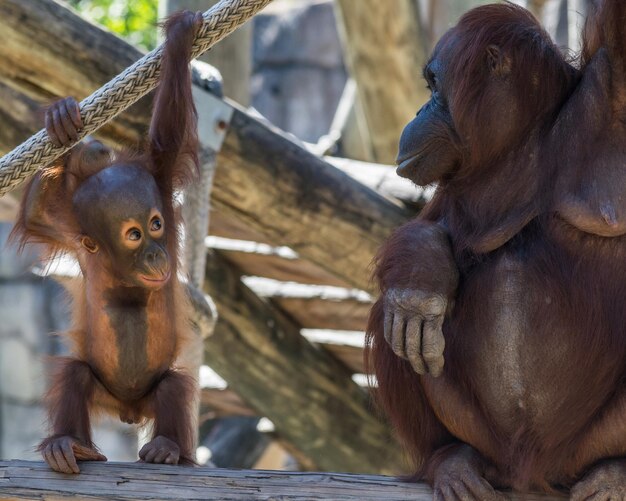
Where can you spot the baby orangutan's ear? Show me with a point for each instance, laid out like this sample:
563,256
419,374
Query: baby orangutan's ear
89,244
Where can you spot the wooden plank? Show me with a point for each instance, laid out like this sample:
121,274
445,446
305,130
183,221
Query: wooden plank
264,179
33,480
346,346
316,306
384,180
278,268
296,199
385,51
320,313
349,355
222,403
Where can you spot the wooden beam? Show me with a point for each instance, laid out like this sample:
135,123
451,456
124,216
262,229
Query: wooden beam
384,180
264,179
320,313
264,260
307,393
33,480
537,7
296,199
346,346
385,50
315,306
216,403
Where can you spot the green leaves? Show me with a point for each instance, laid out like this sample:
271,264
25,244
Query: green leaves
133,20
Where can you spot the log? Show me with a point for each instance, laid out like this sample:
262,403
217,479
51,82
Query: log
321,313
33,480
314,306
261,259
298,200
385,50
347,346
308,394
264,179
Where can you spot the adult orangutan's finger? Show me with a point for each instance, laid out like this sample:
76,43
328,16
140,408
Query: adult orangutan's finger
413,343
433,344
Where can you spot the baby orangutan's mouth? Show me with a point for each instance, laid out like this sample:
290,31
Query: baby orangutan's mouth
154,282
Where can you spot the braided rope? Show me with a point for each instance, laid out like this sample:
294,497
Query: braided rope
121,92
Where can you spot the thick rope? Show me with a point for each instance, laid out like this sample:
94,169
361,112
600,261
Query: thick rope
121,92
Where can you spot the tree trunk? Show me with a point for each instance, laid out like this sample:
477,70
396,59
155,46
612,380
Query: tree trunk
385,50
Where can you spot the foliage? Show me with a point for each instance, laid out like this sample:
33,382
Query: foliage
133,20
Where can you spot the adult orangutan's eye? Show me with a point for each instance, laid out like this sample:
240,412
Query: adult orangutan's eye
156,224
133,234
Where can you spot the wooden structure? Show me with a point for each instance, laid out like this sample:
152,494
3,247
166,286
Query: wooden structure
99,481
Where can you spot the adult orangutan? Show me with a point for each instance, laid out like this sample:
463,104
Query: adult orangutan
515,272
116,215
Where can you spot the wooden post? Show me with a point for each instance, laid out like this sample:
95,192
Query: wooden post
385,50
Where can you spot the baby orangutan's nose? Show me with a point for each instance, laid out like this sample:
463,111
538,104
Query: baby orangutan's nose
156,261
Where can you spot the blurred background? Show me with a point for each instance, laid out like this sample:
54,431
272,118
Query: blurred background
332,83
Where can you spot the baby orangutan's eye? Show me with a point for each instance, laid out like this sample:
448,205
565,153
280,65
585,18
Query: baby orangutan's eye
133,234
156,224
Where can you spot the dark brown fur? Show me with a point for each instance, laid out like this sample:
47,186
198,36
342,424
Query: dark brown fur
534,333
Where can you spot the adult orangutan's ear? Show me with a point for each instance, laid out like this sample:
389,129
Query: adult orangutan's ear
499,63
89,244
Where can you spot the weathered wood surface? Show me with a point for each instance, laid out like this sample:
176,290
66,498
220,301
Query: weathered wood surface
320,313
279,268
222,403
385,51
307,393
298,200
346,346
264,179
35,481
314,306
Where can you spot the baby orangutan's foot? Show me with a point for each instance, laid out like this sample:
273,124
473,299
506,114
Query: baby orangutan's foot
62,454
605,482
160,450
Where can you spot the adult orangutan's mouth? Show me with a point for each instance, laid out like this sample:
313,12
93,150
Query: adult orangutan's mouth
405,163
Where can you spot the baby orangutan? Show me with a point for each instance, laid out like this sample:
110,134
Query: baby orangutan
115,214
